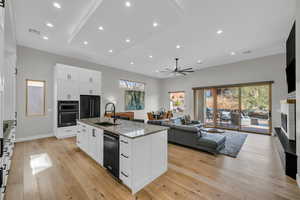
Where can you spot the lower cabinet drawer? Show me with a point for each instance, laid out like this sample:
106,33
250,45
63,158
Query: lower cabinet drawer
125,165
125,146
125,178
125,169
67,131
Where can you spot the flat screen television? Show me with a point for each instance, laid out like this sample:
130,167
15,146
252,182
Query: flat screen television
291,60
291,76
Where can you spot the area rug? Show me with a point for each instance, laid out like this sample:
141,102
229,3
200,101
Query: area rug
234,143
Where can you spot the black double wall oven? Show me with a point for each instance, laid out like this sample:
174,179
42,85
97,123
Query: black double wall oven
68,112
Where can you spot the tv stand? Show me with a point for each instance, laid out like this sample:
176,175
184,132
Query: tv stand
287,153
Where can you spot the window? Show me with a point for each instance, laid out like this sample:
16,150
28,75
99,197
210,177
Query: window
35,98
177,102
132,85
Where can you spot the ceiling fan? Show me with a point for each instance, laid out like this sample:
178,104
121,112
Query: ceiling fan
177,70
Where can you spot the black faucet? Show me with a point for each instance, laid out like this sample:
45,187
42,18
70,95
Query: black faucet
113,111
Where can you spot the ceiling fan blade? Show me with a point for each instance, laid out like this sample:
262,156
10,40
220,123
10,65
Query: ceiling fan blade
187,68
166,70
187,71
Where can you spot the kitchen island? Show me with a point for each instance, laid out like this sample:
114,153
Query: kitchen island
133,152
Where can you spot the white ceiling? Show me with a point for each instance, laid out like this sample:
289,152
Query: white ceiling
260,26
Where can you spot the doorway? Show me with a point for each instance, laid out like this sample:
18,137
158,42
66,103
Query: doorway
242,107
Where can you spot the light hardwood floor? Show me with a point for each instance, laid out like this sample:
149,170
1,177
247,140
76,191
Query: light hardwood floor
70,174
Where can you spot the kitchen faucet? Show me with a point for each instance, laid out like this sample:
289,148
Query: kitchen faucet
113,111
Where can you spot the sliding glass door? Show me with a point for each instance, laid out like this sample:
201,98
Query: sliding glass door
209,117
228,108
237,107
255,109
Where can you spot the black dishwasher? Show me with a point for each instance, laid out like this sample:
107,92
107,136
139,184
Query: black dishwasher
111,153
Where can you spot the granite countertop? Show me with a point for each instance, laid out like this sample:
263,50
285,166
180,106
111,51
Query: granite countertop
125,128
7,126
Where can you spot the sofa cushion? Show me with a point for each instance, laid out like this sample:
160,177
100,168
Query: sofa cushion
187,119
211,140
188,128
156,122
167,123
177,120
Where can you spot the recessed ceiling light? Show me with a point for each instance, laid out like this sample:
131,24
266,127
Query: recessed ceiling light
101,28
232,53
45,38
157,71
110,51
131,63
56,5
155,24
127,40
219,32
150,56
85,42
178,46
49,25
247,52
127,4
199,61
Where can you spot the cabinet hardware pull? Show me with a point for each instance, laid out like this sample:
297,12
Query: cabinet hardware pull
124,156
123,141
109,167
124,174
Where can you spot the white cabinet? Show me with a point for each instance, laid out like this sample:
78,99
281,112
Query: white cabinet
89,89
69,83
65,72
64,132
96,145
9,87
90,82
90,140
67,90
143,159
82,137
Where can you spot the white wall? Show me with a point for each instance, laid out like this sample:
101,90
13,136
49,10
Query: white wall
271,68
39,65
298,84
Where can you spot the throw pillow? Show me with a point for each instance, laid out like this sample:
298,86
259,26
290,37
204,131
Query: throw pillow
187,119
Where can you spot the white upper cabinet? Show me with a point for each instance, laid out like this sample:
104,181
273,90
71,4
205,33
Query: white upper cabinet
74,81
67,90
90,82
69,73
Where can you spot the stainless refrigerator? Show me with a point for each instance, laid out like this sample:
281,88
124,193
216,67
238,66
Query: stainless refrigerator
90,106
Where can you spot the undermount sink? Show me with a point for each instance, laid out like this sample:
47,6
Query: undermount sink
106,124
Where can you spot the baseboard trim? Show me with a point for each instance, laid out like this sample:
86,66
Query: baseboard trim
298,180
34,138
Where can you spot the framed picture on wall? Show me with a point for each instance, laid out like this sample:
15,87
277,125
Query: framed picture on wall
134,100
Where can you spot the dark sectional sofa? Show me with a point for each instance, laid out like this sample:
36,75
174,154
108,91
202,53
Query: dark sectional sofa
190,135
